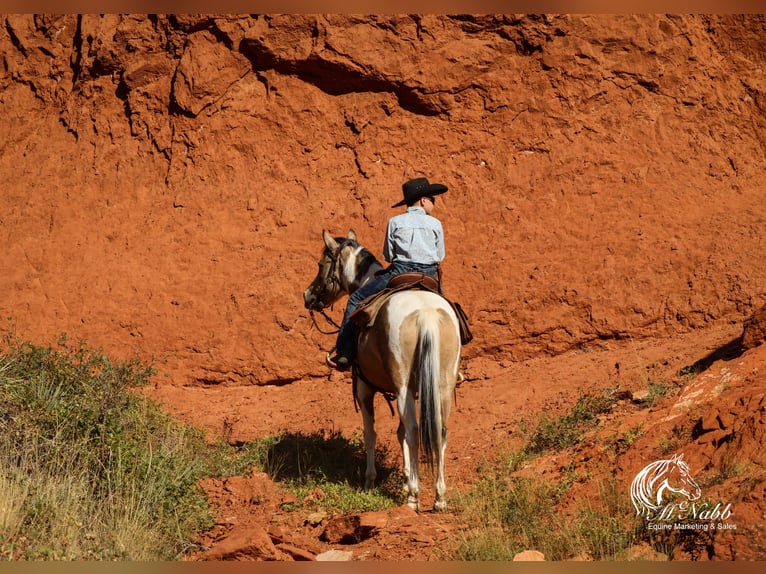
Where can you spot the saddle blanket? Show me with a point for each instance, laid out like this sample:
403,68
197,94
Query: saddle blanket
365,314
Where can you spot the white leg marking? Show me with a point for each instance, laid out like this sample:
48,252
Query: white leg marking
441,483
368,417
400,433
408,416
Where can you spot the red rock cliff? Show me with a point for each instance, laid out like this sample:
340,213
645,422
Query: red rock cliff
166,178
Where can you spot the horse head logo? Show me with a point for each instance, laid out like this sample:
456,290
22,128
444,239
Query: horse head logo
660,481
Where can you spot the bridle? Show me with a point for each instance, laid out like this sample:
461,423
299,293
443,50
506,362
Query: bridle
332,285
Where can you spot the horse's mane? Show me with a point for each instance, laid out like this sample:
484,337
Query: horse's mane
366,257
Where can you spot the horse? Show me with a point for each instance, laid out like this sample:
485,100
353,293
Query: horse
659,479
410,352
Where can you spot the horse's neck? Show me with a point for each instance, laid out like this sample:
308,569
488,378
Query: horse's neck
360,269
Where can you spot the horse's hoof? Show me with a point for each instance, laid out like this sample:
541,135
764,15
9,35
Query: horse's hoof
413,504
440,505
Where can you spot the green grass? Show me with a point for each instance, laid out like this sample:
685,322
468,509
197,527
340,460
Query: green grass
508,514
565,431
326,470
91,469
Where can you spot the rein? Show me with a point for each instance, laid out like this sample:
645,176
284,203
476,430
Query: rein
328,319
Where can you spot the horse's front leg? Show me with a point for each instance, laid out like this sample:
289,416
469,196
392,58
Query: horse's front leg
366,401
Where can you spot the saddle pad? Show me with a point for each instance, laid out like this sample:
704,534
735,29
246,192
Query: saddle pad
365,314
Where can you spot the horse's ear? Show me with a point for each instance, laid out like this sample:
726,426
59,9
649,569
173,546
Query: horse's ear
329,241
351,235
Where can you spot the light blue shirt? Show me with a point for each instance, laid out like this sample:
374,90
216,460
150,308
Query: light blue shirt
414,237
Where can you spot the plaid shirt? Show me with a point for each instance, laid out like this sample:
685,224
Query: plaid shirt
414,237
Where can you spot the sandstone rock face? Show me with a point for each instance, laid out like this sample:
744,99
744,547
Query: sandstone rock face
166,178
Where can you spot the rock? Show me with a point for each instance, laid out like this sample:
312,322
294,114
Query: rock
353,528
341,530
403,512
373,521
251,542
205,72
529,556
314,107
754,331
335,556
297,554
316,518
709,422
565,225
645,551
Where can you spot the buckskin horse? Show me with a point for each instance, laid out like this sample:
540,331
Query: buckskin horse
410,352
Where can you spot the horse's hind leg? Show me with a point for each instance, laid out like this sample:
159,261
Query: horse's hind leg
400,433
441,483
409,422
366,400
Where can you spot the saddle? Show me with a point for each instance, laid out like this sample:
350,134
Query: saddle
365,314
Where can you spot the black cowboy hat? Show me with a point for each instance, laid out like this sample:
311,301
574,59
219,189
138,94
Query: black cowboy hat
419,187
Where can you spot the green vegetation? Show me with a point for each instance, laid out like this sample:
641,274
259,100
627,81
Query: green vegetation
620,443
656,391
325,469
508,514
91,469
730,466
557,433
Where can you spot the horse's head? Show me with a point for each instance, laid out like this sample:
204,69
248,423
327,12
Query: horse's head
330,282
655,487
680,480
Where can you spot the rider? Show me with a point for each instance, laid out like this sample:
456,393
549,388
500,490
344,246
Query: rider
414,243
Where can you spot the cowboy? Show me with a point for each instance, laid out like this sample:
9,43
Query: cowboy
414,243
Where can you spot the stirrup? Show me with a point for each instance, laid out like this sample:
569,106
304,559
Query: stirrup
333,365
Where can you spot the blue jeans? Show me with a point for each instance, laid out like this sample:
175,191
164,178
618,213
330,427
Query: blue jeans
346,344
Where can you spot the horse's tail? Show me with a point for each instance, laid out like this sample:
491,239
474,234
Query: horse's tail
427,369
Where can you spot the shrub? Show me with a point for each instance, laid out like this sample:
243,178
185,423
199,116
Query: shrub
558,433
89,468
